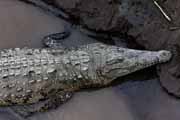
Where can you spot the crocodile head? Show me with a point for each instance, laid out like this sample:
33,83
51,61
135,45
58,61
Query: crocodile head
123,61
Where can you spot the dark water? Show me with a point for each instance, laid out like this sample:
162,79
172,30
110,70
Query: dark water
23,25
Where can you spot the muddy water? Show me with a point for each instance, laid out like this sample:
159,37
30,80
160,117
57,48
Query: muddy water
23,25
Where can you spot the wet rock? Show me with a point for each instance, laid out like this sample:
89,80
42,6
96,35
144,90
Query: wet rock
99,15
153,31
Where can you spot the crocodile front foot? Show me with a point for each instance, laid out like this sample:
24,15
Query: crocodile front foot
24,111
55,40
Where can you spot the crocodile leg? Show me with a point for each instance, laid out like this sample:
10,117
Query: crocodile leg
55,40
25,111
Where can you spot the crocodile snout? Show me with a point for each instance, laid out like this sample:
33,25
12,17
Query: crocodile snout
164,55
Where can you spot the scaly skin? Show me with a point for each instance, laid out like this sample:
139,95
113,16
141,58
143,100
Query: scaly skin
31,75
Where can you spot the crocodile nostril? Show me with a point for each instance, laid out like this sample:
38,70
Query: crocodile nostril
164,56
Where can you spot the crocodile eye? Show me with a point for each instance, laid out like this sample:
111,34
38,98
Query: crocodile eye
120,59
114,61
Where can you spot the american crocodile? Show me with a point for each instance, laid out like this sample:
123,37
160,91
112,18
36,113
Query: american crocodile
48,77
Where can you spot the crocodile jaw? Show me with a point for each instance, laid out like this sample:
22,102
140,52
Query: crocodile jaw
124,61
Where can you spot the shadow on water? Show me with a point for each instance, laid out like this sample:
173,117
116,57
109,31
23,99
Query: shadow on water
23,25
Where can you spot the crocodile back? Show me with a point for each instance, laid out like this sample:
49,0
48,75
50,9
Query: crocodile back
25,73
30,75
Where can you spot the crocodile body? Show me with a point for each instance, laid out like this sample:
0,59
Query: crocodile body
31,75
48,77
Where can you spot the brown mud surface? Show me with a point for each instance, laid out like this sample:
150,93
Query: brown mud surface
23,25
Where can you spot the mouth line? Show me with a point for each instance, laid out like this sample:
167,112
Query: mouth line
156,61
137,65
